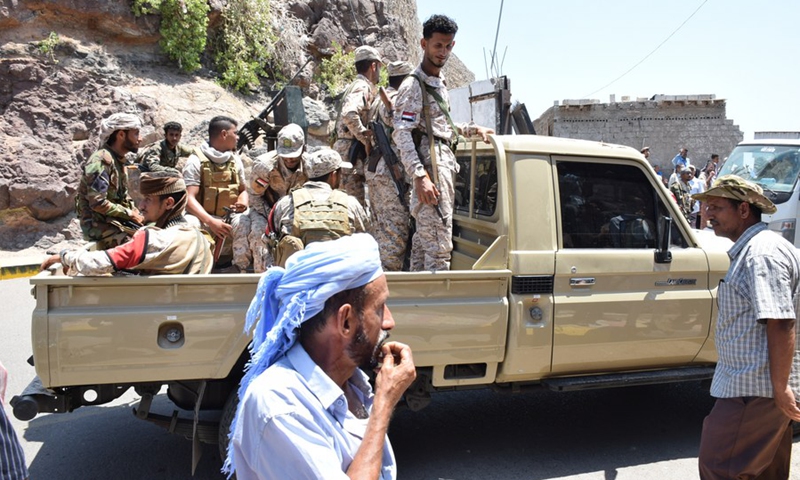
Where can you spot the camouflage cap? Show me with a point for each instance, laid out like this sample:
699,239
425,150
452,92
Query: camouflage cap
739,189
291,141
365,52
323,162
399,68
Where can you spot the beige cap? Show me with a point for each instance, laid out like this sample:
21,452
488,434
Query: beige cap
365,52
291,141
398,68
323,162
737,188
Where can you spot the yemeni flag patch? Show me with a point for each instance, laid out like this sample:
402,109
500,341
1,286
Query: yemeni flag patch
409,117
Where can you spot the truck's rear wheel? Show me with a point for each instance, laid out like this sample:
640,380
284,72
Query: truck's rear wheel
226,422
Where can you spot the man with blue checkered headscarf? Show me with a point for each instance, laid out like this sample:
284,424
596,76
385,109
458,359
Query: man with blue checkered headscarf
307,410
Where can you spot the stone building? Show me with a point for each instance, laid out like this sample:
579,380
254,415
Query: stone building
665,123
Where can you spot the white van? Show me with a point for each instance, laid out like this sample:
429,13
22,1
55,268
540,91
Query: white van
774,164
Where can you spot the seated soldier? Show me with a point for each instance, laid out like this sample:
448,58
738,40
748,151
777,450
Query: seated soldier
317,211
272,176
169,246
164,155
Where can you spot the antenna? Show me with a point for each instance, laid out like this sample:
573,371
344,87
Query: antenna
496,35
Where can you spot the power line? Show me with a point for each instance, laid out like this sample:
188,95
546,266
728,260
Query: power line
648,55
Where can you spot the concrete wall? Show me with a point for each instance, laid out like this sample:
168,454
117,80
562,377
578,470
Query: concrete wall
665,123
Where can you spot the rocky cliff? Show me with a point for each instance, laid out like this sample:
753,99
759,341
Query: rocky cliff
65,65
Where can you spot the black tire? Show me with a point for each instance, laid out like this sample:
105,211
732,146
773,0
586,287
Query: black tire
225,423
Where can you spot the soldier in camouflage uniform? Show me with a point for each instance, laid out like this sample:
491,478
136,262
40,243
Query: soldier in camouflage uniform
272,176
353,122
102,198
390,216
682,191
432,242
164,155
214,177
324,169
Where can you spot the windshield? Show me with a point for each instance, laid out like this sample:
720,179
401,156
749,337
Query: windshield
774,167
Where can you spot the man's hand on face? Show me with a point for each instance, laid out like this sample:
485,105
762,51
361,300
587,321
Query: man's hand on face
396,372
220,228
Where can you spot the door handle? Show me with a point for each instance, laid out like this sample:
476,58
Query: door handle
581,282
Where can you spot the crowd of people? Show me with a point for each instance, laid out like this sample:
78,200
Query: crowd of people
686,180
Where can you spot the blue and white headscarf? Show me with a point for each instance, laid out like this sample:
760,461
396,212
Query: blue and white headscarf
286,298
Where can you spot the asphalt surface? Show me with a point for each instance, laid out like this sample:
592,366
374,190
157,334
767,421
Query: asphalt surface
642,433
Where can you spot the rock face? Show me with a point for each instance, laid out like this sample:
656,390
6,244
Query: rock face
106,60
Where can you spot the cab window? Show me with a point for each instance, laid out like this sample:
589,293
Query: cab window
484,185
609,206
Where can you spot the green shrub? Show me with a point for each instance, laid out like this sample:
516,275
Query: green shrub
48,46
337,71
245,44
184,25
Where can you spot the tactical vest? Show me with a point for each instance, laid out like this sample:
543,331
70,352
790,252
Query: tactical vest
318,221
220,184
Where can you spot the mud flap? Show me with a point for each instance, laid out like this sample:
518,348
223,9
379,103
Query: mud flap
197,450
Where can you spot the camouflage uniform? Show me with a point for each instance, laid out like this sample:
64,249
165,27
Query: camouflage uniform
102,197
682,193
432,242
158,157
351,125
390,217
318,164
270,180
283,216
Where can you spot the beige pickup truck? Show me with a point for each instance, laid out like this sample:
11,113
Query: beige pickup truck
572,269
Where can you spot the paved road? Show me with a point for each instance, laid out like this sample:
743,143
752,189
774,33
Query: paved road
646,433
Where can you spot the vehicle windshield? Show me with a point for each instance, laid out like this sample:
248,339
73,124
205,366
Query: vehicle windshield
774,167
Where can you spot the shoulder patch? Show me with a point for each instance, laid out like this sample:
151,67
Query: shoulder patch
409,117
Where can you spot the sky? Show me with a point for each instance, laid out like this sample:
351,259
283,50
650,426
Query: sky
746,52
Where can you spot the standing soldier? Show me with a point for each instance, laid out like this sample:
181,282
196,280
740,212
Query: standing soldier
273,175
353,137
683,193
164,155
428,112
388,184
103,204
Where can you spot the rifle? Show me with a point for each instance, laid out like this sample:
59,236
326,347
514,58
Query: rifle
219,242
251,130
385,148
426,110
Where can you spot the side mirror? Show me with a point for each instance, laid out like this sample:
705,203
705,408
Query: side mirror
662,253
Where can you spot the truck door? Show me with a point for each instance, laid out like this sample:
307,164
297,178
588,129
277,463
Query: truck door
615,307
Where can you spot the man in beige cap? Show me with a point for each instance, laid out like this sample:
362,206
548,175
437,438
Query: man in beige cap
389,213
105,209
353,137
317,211
273,175
748,433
